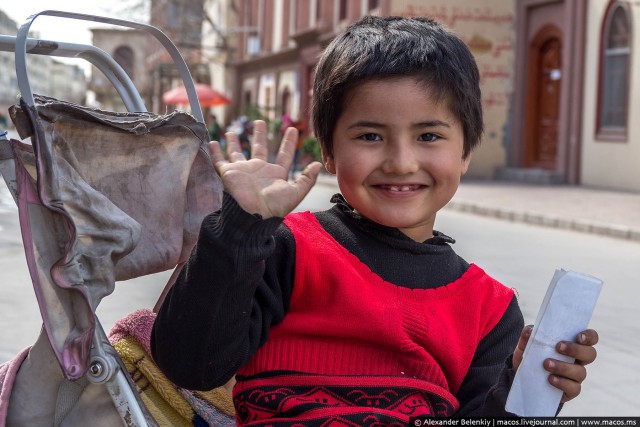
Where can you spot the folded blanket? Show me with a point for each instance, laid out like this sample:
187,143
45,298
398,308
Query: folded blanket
164,402
169,404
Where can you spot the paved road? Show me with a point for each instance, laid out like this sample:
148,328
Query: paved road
526,256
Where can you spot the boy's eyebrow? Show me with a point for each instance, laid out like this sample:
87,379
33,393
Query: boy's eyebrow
432,124
427,124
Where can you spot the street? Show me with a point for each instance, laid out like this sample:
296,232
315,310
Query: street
519,255
525,258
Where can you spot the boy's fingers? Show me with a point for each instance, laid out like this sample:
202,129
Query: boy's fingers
569,388
568,377
571,371
582,350
588,337
522,343
309,176
584,354
216,153
259,141
234,151
287,148
524,337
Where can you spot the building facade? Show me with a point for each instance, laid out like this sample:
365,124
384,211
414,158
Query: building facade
219,43
610,142
488,29
557,76
129,48
282,40
545,143
47,75
575,94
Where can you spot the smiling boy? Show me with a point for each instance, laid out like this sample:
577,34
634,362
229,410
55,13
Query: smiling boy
397,154
362,314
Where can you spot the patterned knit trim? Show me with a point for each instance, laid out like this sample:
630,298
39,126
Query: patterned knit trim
290,399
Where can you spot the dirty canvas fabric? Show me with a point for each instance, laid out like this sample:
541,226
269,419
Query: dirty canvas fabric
103,197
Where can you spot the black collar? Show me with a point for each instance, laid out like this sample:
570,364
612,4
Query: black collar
340,203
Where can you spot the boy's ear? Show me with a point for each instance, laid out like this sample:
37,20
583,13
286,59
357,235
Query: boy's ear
329,164
465,164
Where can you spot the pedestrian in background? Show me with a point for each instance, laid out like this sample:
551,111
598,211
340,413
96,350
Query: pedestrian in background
4,122
244,137
363,313
215,130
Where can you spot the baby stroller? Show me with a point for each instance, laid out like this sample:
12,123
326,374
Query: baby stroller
102,197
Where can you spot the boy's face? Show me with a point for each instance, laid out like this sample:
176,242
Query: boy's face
397,154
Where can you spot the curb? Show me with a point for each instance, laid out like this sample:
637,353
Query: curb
326,179
550,221
533,218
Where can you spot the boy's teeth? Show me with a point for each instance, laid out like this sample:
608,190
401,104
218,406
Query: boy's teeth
401,187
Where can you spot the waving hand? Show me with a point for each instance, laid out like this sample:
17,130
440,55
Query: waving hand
257,185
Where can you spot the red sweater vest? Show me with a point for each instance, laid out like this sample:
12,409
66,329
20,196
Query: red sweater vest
354,345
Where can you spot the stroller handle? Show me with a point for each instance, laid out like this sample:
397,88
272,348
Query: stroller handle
21,54
97,57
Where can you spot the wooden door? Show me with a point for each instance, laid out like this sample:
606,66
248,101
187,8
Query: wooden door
543,102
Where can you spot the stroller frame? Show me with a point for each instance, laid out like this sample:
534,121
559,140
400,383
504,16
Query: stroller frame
105,366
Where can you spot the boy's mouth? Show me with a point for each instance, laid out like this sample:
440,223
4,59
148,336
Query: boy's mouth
400,188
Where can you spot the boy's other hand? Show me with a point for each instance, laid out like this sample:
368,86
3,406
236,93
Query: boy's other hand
568,377
258,186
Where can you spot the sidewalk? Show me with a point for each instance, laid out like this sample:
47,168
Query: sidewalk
588,210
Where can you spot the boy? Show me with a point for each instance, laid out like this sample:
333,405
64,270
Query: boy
361,314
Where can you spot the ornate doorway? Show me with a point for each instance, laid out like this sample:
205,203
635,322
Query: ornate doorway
543,99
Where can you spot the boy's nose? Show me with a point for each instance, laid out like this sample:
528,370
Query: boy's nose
401,159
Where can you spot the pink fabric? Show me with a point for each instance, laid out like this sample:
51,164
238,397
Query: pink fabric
8,372
137,325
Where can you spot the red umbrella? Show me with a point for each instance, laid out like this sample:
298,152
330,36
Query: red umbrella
207,96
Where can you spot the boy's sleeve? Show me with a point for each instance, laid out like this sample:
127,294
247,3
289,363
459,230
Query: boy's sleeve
485,389
235,285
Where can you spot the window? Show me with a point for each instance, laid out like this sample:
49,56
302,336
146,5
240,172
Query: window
614,73
342,10
286,101
124,56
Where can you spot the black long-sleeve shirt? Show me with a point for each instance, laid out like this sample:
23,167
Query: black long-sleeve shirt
238,283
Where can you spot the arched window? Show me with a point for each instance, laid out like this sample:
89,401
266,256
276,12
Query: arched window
342,10
286,101
125,57
615,61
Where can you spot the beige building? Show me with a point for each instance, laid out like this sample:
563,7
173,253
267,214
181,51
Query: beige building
219,42
128,48
557,75
145,60
281,41
610,137
545,142
487,26
47,75
574,95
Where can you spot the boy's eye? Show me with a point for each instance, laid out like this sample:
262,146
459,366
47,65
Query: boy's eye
370,137
429,137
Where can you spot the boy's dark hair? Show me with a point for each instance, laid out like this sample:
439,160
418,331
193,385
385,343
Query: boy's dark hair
376,47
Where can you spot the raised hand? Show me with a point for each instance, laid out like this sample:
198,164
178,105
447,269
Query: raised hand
258,186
